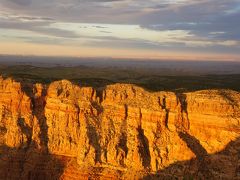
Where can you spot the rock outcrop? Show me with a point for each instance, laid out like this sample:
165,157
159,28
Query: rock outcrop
63,131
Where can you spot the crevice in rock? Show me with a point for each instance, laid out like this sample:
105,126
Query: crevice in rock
140,117
126,113
143,148
38,110
100,93
39,104
164,106
94,140
26,130
122,144
185,124
59,91
157,135
98,107
111,132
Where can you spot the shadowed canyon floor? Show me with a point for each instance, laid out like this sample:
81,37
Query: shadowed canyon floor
65,131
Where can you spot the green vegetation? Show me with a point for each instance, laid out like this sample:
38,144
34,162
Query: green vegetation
100,77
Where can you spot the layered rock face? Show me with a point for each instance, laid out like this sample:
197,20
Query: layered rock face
63,131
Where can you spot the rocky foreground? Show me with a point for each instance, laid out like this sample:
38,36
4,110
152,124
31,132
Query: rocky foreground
63,131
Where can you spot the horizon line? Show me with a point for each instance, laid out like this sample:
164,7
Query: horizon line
127,58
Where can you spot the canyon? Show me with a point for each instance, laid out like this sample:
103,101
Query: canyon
121,131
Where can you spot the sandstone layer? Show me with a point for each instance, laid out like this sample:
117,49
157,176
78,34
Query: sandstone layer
64,131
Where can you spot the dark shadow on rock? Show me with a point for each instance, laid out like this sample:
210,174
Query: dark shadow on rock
184,125
193,144
228,97
94,141
39,111
198,150
27,163
183,102
143,148
27,130
16,163
221,165
123,138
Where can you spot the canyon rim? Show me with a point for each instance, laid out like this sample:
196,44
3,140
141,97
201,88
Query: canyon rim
65,131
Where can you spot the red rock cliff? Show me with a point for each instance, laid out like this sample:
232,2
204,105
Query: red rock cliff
64,131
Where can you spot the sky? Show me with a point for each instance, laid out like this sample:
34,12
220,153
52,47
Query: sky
158,29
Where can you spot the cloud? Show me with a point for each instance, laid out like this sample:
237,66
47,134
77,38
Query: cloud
21,2
196,25
100,27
